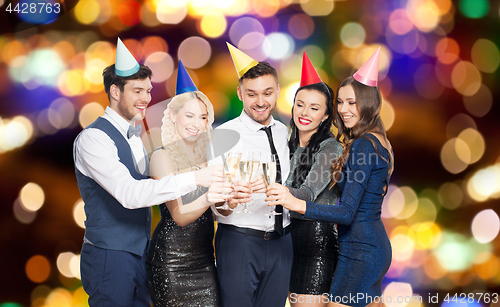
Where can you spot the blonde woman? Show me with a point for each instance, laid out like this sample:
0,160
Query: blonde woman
180,261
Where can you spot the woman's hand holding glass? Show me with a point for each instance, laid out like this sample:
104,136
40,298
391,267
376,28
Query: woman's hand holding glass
219,191
280,195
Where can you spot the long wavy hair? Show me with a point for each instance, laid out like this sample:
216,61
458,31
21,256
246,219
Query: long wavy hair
369,103
305,160
172,141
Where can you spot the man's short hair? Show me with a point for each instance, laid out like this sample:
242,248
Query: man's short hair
109,77
259,70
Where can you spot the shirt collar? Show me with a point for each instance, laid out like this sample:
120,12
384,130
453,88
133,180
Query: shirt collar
251,124
119,122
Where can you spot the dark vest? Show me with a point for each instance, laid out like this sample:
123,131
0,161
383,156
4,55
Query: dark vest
109,225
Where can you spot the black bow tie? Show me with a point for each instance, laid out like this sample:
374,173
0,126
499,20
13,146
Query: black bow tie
134,131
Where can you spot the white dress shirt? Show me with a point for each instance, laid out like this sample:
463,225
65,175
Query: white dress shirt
254,139
96,157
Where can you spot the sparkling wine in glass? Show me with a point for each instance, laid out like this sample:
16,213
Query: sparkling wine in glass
231,160
249,165
269,169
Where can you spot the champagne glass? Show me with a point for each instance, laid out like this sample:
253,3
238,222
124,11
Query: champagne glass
231,160
269,169
249,165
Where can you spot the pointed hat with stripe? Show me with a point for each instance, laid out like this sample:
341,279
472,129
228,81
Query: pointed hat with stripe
241,61
309,73
368,73
184,82
125,63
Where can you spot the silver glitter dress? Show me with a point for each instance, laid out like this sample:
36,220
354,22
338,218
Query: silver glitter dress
180,261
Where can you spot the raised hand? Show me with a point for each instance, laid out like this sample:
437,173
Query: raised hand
258,184
280,195
205,176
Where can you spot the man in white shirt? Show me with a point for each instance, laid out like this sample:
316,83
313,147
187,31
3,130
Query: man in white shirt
254,259
111,167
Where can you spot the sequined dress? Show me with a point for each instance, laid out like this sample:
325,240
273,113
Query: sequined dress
314,242
364,247
180,261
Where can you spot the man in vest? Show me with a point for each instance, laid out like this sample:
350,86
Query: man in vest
111,168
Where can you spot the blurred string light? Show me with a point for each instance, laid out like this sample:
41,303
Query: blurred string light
243,26
213,25
89,113
162,64
171,12
31,197
352,34
466,78
194,52
318,7
485,184
301,26
459,123
37,269
454,254
485,55
387,114
15,133
68,265
474,8
281,46
79,213
399,294
480,103
21,214
485,226
450,195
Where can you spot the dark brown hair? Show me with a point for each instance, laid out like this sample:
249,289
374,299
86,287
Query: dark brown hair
259,70
109,77
369,103
305,160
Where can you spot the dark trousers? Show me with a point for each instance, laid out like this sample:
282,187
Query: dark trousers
252,272
114,278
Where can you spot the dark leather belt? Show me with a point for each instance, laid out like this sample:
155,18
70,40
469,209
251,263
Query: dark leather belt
266,235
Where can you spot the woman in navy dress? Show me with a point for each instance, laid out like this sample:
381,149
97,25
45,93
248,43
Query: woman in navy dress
362,174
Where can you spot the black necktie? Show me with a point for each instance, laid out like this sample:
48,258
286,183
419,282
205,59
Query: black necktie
134,131
278,219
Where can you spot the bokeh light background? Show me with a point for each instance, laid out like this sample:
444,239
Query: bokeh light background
438,76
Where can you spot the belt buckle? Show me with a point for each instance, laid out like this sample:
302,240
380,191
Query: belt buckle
268,235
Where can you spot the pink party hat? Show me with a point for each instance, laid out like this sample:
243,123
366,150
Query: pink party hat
368,73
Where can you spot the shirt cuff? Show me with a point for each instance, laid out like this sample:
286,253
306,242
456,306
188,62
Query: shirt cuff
186,183
216,212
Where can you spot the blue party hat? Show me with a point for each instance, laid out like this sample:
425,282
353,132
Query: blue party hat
125,63
184,82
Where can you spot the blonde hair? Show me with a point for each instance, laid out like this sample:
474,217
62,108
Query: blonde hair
171,140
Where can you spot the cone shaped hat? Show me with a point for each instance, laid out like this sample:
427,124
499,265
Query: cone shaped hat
368,73
184,82
309,74
241,61
125,63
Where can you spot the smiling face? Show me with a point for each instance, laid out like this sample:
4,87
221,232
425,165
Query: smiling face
346,106
309,111
259,96
132,102
190,120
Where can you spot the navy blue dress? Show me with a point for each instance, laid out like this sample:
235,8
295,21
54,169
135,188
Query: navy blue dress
364,248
